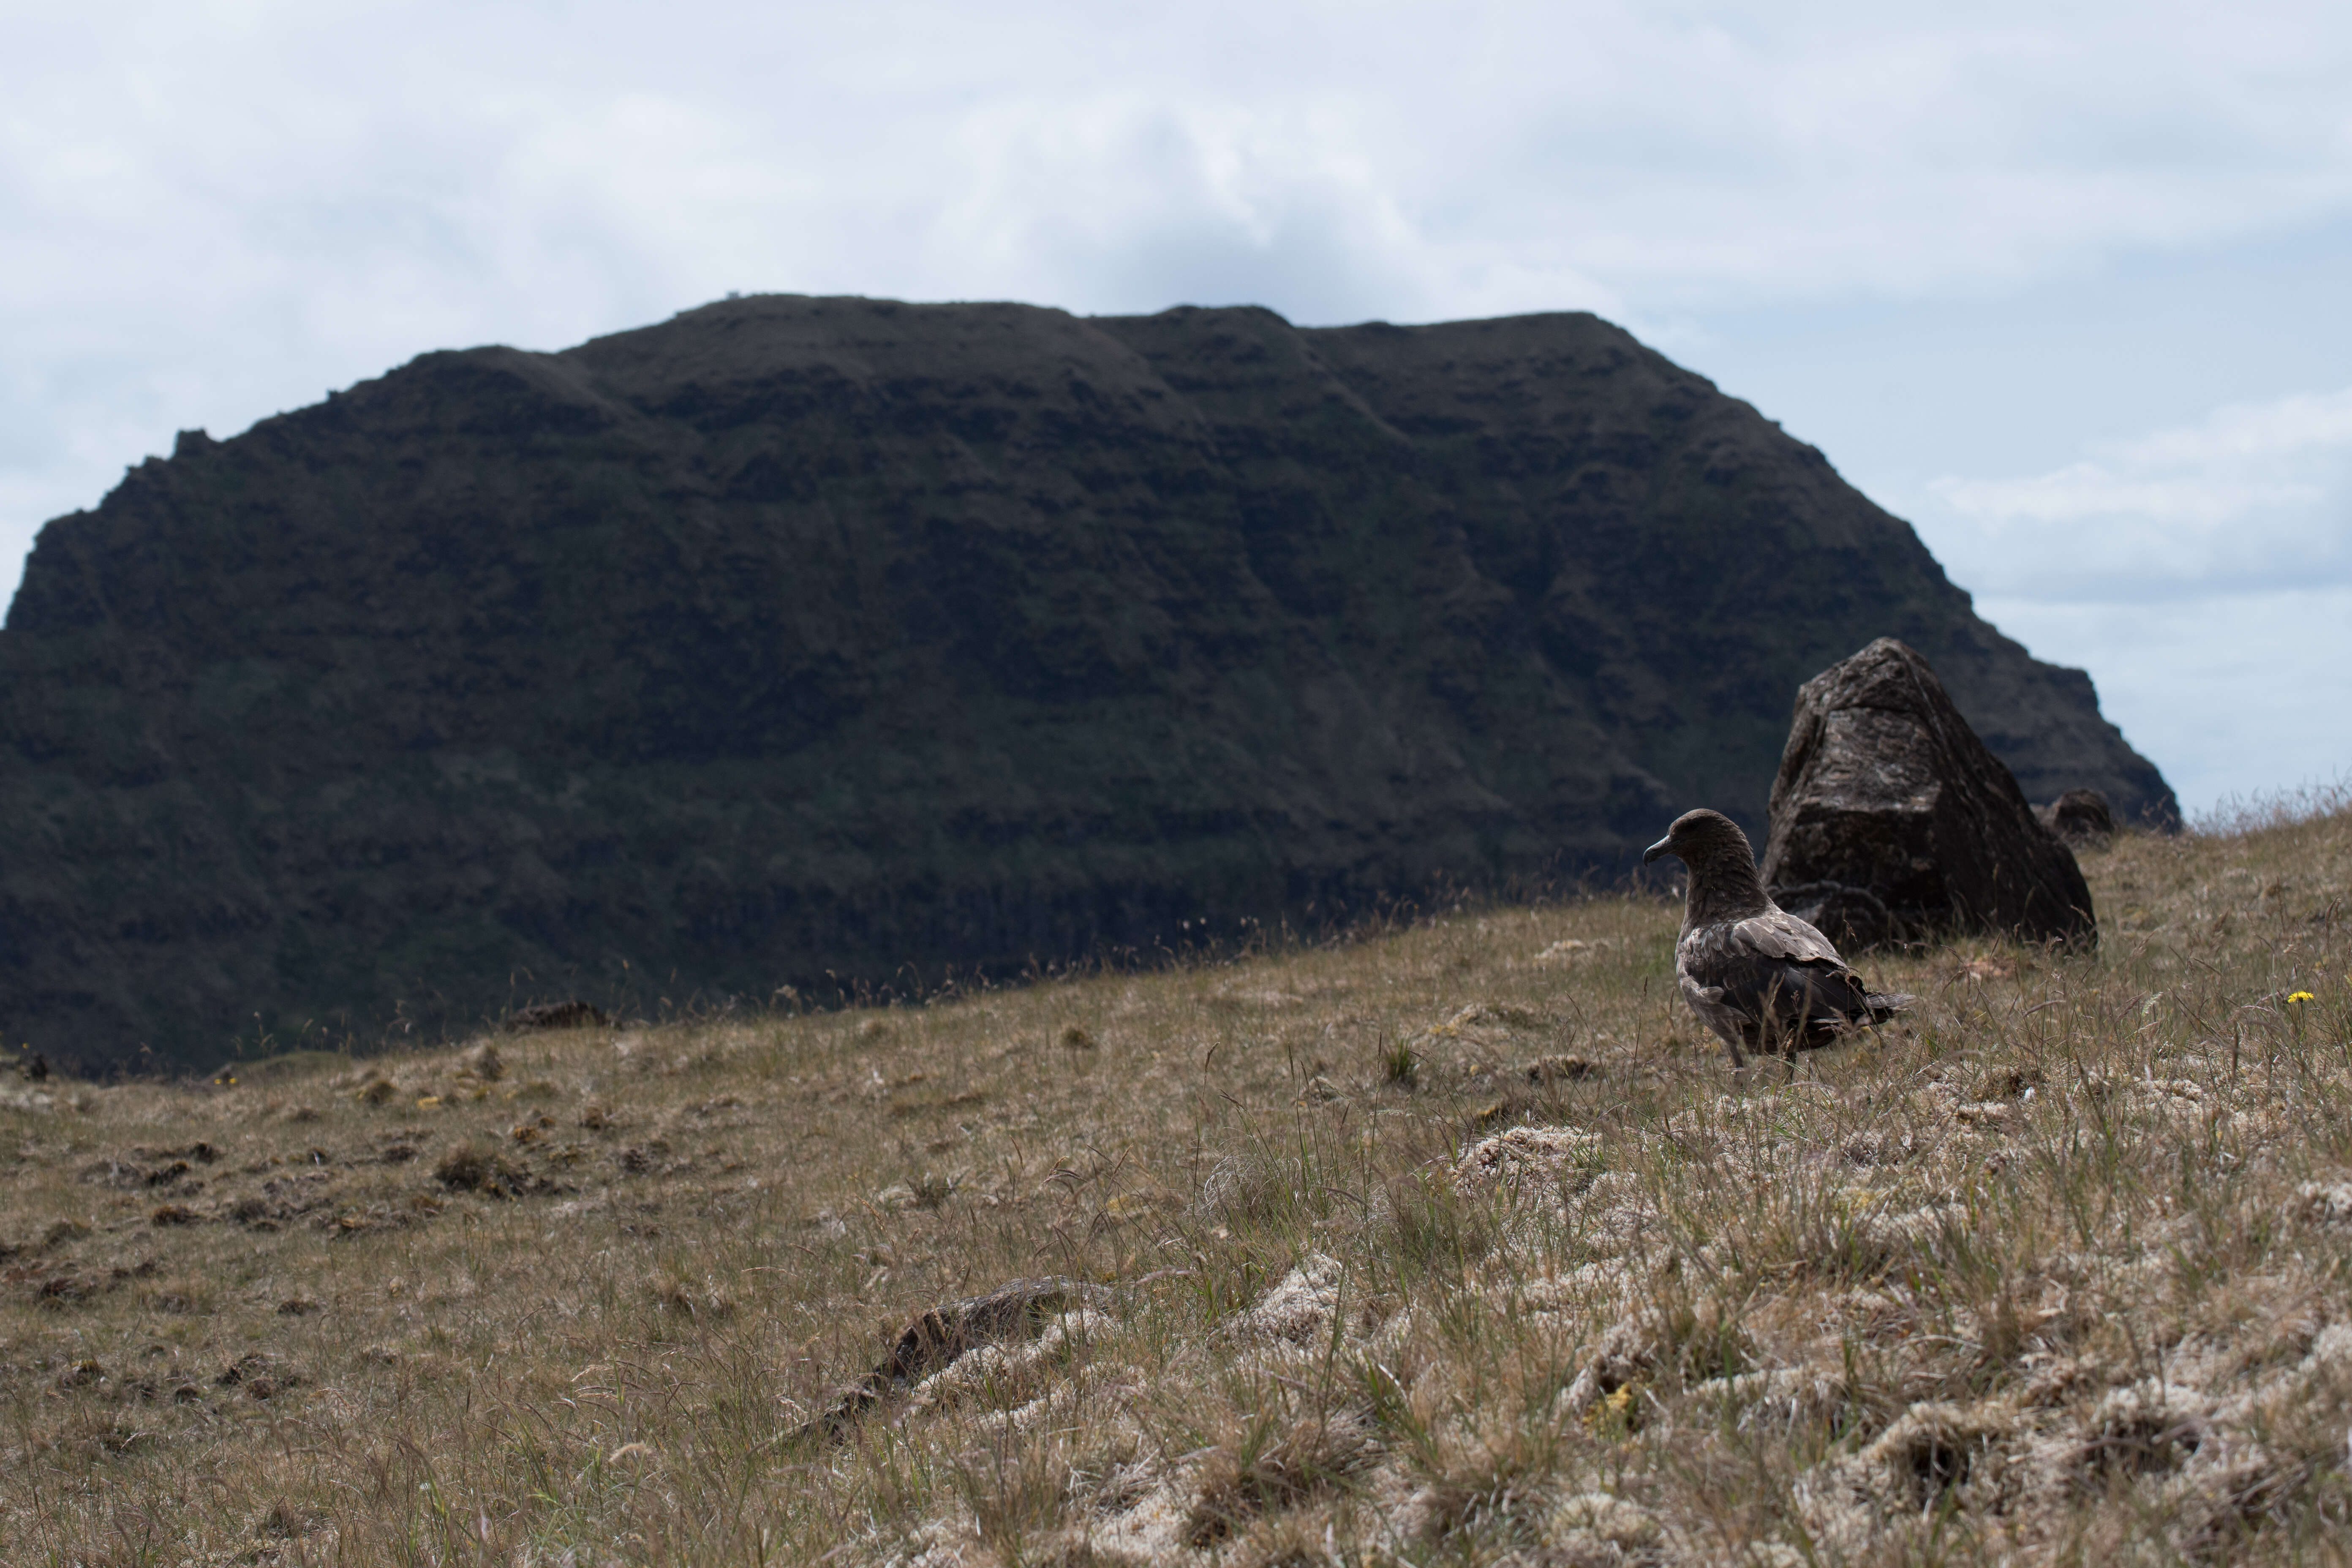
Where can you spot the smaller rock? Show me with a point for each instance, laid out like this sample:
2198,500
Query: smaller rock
1855,919
556,1016
1019,1309
261,1376
2080,816
469,1168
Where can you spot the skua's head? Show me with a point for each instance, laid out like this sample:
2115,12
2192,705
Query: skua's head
1707,841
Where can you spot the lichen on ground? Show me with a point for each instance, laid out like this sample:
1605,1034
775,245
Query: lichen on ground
2056,1270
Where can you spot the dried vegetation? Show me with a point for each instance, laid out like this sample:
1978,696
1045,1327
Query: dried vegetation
1454,1244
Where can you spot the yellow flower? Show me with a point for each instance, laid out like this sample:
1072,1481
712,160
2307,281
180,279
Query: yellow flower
2301,996
1617,1406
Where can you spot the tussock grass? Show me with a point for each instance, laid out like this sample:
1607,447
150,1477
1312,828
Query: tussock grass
1455,1246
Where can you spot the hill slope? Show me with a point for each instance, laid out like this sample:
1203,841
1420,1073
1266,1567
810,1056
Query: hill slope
2054,1271
797,641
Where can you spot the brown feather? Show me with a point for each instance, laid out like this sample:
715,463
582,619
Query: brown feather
1755,975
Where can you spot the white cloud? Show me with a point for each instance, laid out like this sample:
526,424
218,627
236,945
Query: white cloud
2287,427
210,211
2251,495
2201,572
2231,694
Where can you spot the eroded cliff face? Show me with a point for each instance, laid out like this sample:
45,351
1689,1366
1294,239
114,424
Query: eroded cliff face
814,641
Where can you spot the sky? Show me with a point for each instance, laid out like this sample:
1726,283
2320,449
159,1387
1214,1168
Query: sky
2062,285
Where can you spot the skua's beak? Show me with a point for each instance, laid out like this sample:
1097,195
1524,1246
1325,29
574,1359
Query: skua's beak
1655,850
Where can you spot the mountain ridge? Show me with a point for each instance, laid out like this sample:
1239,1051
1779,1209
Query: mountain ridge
802,638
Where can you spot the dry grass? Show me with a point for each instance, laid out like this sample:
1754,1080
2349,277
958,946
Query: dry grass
2055,1273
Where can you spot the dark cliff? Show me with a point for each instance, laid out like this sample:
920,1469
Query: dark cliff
795,638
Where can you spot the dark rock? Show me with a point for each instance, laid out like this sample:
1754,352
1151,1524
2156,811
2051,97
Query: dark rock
1018,1309
821,643
1889,813
1855,919
557,1015
469,1168
2081,817
261,1375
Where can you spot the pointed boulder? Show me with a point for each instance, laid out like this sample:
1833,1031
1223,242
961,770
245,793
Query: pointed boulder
1891,820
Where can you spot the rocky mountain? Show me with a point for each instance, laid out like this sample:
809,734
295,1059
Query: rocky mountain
836,642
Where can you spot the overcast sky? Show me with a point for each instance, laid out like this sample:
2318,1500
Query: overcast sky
2065,286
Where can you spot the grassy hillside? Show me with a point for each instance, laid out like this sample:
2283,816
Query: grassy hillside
1457,1244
